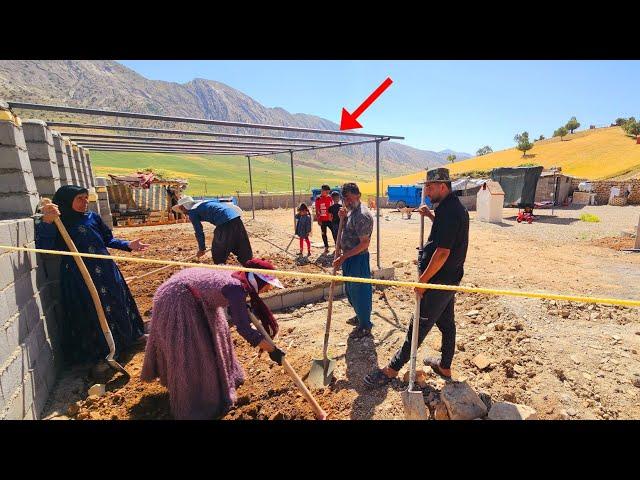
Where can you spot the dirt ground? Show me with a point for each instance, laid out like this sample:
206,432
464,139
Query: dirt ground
566,360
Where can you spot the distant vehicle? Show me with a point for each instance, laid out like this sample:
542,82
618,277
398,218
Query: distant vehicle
402,196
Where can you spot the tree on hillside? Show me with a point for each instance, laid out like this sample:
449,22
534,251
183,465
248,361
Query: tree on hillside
620,121
561,132
523,142
484,150
451,158
572,124
632,127
541,137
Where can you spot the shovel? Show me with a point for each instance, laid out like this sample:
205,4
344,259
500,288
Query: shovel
414,406
321,372
317,409
94,294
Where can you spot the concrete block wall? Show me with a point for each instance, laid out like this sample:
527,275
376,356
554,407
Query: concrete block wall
34,161
29,323
42,156
18,190
64,169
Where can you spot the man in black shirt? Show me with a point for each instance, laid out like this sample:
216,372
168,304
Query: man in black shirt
441,261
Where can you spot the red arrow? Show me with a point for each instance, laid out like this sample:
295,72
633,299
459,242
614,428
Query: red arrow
350,120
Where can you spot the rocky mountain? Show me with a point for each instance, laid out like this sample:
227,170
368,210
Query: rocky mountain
112,86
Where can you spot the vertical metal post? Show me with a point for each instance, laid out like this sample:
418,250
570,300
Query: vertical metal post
293,189
253,208
637,245
378,204
554,192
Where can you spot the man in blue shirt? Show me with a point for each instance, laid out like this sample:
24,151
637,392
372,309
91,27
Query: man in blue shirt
229,236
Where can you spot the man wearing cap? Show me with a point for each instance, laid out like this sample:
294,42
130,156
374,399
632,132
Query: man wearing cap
229,236
441,262
354,260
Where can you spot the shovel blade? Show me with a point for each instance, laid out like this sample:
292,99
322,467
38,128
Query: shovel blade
321,373
414,406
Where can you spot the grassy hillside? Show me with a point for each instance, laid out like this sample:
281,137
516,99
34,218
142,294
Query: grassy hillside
594,154
222,174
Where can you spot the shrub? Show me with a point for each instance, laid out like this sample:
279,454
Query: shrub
588,217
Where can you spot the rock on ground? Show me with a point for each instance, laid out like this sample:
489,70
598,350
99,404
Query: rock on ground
462,401
511,411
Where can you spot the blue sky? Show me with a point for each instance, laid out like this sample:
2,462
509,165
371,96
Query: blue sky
461,105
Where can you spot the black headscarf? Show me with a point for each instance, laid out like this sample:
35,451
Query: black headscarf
63,198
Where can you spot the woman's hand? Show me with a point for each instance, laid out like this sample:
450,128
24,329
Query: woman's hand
50,212
275,353
137,245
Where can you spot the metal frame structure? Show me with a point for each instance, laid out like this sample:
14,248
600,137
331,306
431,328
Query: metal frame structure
248,145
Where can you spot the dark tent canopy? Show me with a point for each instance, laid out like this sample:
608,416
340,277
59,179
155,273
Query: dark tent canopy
519,184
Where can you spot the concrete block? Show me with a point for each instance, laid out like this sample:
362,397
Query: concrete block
101,181
42,374
14,410
51,321
17,181
30,415
17,232
37,131
15,330
313,295
384,273
47,186
29,390
33,344
274,302
16,205
12,136
44,167
21,292
14,158
15,264
41,151
12,372
292,299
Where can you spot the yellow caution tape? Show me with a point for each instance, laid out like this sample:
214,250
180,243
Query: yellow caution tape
340,278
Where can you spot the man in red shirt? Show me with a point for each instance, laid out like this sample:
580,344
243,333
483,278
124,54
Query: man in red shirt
323,216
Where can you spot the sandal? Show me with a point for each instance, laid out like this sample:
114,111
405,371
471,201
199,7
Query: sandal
434,363
377,379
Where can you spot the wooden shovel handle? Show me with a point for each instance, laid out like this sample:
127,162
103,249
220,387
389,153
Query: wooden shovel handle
317,409
83,270
331,290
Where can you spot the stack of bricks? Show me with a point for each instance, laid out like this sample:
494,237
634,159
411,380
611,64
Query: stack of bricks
64,169
29,284
42,155
18,190
71,155
103,201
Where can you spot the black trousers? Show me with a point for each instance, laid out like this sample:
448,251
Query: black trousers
323,227
436,308
231,237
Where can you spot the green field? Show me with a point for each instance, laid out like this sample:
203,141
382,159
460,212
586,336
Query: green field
221,174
